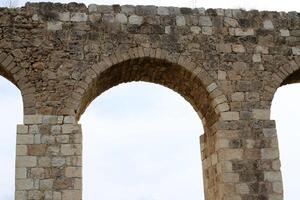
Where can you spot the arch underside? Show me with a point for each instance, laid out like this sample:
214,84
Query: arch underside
156,71
4,73
292,78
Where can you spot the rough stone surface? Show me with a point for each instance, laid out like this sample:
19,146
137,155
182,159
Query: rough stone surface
227,63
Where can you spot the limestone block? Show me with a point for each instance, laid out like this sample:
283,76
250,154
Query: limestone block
224,48
20,195
54,26
36,150
34,129
230,154
46,184
58,161
228,116
273,176
25,139
269,153
56,130
35,17
21,173
180,21
62,139
211,87
37,173
78,17
128,9
242,188
69,128
108,18
230,177
35,194
163,11
57,196
243,32
231,22
26,161
47,139
7,61
136,20
207,30
268,25
24,184
93,8
222,75
277,187
121,18
269,132
262,114
195,29
256,58
73,172
21,150
237,96
50,119
71,149
223,107
64,16
237,48
205,21
296,51
32,119
44,162
284,32
262,49
22,129
71,194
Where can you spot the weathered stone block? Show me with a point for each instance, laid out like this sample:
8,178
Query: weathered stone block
72,172
262,114
296,51
243,32
22,129
24,184
136,20
25,139
268,24
32,119
228,116
180,21
121,18
78,17
205,21
26,161
163,11
54,26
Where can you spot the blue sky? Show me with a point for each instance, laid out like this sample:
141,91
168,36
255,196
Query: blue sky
141,139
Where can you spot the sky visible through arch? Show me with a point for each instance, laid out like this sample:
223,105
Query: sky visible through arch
113,151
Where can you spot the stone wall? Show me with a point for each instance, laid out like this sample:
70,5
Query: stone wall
49,158
226,63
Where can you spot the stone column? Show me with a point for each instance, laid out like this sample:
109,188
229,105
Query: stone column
49,158
241,160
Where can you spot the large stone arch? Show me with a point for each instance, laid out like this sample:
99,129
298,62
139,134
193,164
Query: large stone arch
173,70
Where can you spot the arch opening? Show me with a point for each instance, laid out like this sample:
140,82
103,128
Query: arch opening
191,82
12,114
285,111
141,142
176,77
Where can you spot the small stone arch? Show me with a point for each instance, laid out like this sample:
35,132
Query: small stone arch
7,64
286,73
175,71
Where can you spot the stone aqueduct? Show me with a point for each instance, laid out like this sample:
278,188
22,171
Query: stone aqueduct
226,63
